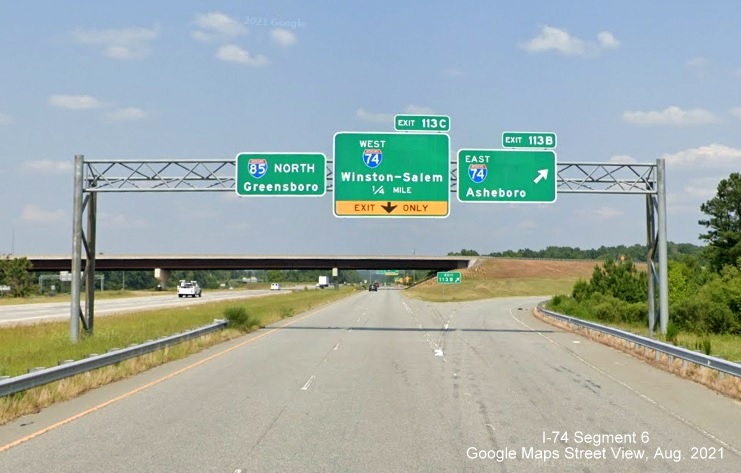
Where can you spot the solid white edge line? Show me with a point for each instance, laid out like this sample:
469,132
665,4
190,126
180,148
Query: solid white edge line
633,390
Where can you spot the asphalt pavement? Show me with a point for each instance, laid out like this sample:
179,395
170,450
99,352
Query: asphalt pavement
381,382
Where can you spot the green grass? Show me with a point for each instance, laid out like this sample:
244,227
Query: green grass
120,294
41,298
727,347
28,346
470,290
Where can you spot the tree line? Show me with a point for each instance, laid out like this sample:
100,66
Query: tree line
704,282
15,273
635,252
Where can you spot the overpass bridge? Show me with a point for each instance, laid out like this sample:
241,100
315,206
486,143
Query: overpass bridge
105,262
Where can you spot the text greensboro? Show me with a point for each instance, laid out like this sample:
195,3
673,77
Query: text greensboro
284,187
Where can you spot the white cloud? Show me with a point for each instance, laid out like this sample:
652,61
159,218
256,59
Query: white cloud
525,226
124,43
601,213
671,116
606,213
283,37
127,114
622,159
74,102
698,62
418,110
607,40
713,155
411,109
560,40
366,116
452,72
35,214
5,119
47,165
120,220
233,53
736,112
677,203
217,26
694,192
703,190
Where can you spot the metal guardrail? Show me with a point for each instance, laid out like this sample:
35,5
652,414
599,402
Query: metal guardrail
719,364
23,382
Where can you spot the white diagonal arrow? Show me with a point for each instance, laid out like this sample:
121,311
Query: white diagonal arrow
542,174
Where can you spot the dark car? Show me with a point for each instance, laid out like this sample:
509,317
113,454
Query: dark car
373,287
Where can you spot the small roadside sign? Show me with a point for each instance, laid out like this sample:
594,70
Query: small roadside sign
448,278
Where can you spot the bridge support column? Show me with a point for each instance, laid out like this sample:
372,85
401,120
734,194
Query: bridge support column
162,275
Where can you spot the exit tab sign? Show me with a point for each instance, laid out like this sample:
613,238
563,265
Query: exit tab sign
449,278
422,123
526,139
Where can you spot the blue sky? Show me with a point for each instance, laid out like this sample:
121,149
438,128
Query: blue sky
621,81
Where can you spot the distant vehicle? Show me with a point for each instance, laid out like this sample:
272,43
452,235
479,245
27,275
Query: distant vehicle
189,289
323,282
275,286
373,287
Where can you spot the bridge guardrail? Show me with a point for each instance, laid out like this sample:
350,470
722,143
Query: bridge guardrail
23,382
700,359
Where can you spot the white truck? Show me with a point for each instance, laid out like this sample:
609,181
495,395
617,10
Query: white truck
189,289
323,282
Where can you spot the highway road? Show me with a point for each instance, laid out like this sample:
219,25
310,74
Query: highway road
380,382
29,313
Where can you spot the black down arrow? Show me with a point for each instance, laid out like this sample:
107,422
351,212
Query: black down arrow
388,207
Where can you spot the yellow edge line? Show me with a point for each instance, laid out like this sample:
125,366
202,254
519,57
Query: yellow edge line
141,388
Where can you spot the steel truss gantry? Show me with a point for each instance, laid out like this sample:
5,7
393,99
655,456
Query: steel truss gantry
219,175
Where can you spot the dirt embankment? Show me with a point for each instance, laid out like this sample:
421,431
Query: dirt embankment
506,268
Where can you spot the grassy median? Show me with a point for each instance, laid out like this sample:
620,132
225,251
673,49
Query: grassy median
46,344
65,297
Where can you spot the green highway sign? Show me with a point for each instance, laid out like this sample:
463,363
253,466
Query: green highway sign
281,174
504,175
422,123
448,278
387,272
525,139
391,174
